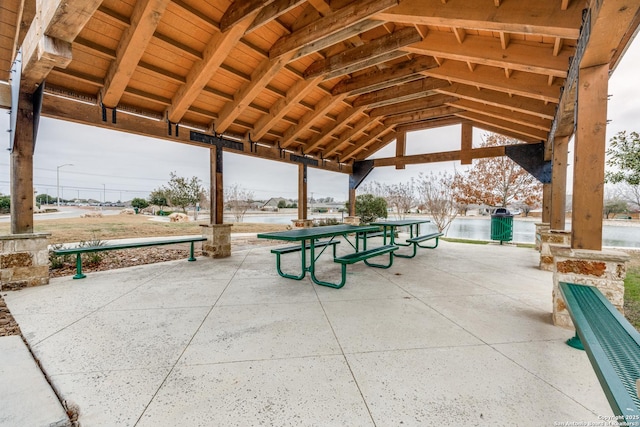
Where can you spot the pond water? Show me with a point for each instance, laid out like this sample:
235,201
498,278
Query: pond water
626,234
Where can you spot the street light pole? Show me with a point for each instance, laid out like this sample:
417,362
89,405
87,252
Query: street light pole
58,180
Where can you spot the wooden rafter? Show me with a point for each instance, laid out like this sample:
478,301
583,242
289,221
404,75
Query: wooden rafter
502,113
365,141
272,11
519,129
346,136
327,133
144,20
421,103
399,93
426,114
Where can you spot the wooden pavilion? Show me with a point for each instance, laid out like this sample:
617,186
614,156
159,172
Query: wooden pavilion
324,83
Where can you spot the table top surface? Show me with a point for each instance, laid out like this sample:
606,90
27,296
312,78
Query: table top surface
316,232
400,223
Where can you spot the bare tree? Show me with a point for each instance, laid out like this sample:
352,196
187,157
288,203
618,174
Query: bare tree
401,197
439,196
238,200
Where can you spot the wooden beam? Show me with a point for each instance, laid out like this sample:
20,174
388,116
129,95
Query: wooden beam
272,11
466,144
239,11
502,113
446,156
501,100
559,184
505,132
352,14
399,93
401,147
418,116
430,124
522,56
64,19
524,84
589,158
427,101
90,114
541,18
327,132
522,130
260,78
296,93
381,79
375,135
144,20
346,136
214,54
21,168
217,194
371,149
302,191
364,53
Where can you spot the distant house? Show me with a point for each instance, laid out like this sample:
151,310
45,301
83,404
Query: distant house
272,203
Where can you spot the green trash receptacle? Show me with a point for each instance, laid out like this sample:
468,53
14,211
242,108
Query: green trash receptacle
502,225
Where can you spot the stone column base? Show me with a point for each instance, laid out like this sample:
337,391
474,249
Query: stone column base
302,223
541,227
352,220
24,260
605,270
218,244
552,238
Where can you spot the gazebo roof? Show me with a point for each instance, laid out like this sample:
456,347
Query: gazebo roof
330,82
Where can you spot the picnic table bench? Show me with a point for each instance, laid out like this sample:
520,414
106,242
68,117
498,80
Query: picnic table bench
613,347
389,229
416,240
78,251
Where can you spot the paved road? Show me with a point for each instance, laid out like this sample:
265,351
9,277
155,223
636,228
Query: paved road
66,212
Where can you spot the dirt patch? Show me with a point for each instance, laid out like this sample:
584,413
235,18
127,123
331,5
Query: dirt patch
8,325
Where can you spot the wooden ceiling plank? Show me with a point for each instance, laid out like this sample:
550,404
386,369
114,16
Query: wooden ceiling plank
399,93
531,58
202,71
376,146
412,105
365,52
321,6
522,130
265,72
542,17
400,73
367,63
272,11
525,84
309,118
240,10
363,143
501,113
417,116
331,24
144,20
198,14
501,100
329,130
294,95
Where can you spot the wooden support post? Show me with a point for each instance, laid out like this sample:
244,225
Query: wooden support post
352,202
466,144
401,146
302,191
559,183
546,202
590,146
22,168
217,190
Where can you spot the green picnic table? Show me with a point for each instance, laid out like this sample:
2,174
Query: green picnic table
309,239
389,229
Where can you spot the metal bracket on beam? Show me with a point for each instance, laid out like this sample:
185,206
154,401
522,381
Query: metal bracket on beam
361,170
303,160
216,140
531,158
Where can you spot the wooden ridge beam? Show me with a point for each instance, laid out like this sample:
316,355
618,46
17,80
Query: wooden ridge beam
352,14
362,54
522,56
144,20
395,94
240,10
397,74
524,84
501,113
493,98
544,18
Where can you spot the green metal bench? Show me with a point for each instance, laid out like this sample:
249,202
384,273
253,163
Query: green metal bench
298,248
86,249
352,258
416,240
613,347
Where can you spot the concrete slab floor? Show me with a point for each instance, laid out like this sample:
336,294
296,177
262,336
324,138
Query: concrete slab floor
459,335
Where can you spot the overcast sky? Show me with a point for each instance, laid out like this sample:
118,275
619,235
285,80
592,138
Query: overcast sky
122,166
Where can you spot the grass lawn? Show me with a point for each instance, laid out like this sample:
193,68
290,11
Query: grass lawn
632,292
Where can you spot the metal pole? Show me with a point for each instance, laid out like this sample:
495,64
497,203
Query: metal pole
58,180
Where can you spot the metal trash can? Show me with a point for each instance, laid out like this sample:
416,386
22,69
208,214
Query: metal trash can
502,225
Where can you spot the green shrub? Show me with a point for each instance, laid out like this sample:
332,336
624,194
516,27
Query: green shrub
92,257
57,261
5,204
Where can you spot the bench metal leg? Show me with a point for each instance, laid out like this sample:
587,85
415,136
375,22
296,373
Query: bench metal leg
429,247
413,254
343,280
371,264
191,257
304,265
575,342
79,274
